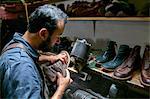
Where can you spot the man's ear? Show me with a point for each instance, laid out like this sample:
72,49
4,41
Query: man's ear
43,33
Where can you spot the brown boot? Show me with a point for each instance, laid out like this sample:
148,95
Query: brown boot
125,70
145,72
50,70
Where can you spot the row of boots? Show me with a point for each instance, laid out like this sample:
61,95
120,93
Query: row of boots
125,62
99,8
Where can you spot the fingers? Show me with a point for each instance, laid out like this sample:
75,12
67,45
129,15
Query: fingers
63,58
68,76
59,74
64,81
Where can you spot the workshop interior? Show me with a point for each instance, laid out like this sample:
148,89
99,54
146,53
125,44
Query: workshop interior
107,41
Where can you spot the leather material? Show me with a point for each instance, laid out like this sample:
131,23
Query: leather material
145,72
50,70
125,70
123,53
108,54
85,8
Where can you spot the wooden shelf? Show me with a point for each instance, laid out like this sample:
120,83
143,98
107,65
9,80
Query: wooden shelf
109,18
37,2
134,81
47,1
135,78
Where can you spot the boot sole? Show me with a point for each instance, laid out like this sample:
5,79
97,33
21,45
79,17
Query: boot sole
110,70
125,78
144,84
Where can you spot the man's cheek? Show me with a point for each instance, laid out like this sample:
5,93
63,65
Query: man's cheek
53,43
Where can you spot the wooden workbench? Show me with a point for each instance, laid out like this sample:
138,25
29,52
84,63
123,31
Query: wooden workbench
133,83
135,78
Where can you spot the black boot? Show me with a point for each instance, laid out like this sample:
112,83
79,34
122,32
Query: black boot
108,54
123,53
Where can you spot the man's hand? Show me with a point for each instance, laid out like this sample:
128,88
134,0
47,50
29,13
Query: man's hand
62,57
63,83
54,58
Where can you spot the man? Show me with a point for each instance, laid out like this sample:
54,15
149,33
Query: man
20,75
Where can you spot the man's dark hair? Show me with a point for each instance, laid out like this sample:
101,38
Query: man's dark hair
45,16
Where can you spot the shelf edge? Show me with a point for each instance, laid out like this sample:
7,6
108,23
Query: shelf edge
109,19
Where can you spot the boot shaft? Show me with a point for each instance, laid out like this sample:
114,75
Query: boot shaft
146,55
111,45
134,59
108,54
135,53
123,51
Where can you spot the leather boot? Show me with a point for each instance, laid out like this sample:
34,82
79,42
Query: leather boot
50,70
125,70
145,72
108,54
123,53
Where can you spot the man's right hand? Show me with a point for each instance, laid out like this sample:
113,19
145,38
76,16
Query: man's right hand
63,83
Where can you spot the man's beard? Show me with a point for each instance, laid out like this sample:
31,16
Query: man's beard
44,46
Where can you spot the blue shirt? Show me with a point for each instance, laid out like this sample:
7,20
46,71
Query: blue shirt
20,76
